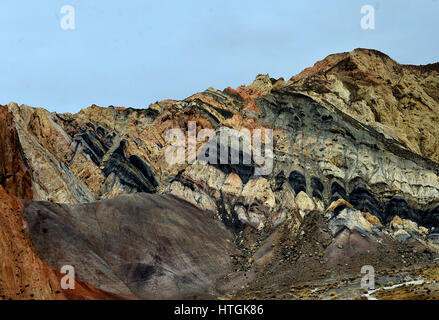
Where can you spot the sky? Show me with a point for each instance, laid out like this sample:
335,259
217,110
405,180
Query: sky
133,53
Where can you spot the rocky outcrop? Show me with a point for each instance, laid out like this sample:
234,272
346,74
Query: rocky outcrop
397,100
14,178
23,274
354,151
337,128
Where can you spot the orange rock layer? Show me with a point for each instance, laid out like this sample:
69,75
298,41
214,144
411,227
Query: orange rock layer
23,275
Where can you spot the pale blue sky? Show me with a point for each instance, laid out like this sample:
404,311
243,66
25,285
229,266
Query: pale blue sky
132,53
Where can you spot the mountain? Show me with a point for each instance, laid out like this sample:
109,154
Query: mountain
349,178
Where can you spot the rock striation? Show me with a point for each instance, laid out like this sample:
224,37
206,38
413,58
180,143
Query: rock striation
355,152
23,274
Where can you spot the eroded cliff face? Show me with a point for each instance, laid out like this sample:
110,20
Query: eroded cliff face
23,274
15,178
357,126
397,100
354,141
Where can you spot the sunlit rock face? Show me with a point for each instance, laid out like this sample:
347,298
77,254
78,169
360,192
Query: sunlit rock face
355,139
23,273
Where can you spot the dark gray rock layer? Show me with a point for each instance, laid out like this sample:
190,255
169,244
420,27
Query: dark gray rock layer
141,245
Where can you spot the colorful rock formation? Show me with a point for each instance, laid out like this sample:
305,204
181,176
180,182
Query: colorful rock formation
355,153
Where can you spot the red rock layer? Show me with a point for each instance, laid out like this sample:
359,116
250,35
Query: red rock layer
23,275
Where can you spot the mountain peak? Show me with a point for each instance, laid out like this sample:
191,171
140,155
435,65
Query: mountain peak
360,58
352,180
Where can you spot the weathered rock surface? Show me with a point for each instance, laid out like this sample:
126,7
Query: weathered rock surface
14,177
400,101
23,274
347,128
355,143
140,246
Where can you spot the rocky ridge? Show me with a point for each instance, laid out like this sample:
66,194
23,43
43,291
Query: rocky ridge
355,151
